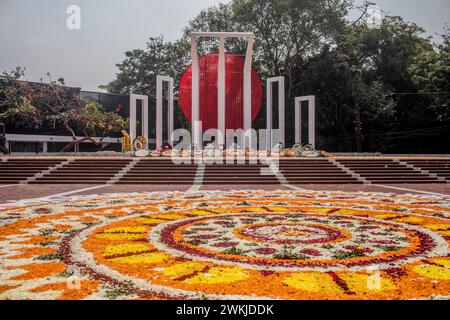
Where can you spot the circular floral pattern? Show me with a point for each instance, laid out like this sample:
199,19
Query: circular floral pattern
296,240
227,245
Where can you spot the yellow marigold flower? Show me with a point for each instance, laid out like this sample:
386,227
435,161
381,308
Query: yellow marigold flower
119,236
127,230
125,248
171,216
443,262
367,282
346,212
182,269
150,221
410,220
319,210
278,209
313,282
387,216
433,272
219,275
142,258
438,227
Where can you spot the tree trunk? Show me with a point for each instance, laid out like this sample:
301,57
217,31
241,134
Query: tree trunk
78,141
74,138
359,139
3,146
69,146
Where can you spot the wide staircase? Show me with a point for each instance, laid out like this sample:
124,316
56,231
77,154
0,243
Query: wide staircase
164,172
315,171
159,171
438,167
13,171
387,171
239,173
84,171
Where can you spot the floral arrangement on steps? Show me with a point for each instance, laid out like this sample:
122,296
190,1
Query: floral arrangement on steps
296,151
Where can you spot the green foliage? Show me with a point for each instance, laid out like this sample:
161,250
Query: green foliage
360,83
114,293
137,73
430,73
383,90
15,101
34,104
341,255
48,257
288,254
284,29
89,118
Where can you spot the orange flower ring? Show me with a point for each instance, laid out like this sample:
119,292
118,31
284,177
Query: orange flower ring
224,245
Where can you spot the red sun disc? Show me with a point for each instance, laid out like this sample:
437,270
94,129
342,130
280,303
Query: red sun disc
234,81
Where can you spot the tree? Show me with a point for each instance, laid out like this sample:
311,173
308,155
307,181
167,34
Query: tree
430,72
357,81
356,52
28,104
137,73
329,76
15,104
60,105
374,87
285,30
89,119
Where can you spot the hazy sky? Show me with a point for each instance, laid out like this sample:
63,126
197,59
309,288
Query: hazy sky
33,33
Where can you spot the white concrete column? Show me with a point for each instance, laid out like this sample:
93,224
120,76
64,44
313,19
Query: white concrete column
281,111
159,110
247,116
269,123
196,134
298,120
133,116
311,119
170,126
159,118
221,92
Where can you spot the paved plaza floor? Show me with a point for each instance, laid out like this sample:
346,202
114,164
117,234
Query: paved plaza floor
11,193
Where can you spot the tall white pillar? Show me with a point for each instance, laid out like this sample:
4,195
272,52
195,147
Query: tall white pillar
312,122
311,119
159,105
133,115
196,134
269,111
221,92
281,111
159,110
247,116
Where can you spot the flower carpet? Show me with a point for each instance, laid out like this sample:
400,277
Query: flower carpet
227,245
